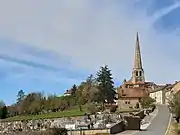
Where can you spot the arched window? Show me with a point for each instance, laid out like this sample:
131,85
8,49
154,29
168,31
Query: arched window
136,73
140,73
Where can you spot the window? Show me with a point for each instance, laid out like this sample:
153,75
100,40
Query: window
127,102
140,73
136,73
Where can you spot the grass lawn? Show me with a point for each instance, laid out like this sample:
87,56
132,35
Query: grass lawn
128,110
66,113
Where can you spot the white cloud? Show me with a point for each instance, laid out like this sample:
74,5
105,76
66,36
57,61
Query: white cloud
91,33
165,11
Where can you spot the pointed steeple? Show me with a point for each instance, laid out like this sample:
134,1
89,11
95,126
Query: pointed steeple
137,60
138,72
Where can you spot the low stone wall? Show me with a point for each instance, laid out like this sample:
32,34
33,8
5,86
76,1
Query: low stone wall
117,128
88,132
133,123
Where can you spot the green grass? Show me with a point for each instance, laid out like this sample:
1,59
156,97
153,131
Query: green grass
128,110
67,113
74,111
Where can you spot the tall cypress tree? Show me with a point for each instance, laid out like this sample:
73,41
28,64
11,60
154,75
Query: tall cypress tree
20,96
105,84
74,89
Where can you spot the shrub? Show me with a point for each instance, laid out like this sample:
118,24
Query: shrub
92,108
147,102
137,105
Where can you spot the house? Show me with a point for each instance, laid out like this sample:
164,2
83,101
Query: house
159,94
168,93
163,93
68,93
131,91
175,88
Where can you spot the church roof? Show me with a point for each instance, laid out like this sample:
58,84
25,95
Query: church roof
133,92
137,61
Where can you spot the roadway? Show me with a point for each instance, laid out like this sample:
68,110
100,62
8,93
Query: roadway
159,124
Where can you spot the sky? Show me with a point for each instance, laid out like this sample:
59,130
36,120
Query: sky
49,45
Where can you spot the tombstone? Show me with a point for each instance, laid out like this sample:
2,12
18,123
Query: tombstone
133,123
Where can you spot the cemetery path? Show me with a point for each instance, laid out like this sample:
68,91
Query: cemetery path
159,124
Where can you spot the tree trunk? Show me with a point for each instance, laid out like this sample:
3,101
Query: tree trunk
80,107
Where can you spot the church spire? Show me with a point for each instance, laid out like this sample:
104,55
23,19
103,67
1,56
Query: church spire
137,60
138,72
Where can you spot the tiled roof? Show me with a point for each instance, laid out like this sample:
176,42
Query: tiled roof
158,88
165,87
176,87
133,92
130,82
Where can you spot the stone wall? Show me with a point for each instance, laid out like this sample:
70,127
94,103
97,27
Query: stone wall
116,128
127,102
88,132
102,121
99,121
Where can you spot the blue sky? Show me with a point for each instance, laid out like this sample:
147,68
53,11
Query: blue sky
50,45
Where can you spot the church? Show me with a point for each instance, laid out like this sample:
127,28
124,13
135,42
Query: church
131,91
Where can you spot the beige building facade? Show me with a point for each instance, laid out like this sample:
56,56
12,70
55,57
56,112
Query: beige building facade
164,94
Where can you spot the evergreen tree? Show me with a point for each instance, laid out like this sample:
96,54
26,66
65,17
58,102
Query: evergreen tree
91,80
2,103
74,89
20,96
105,85
3,112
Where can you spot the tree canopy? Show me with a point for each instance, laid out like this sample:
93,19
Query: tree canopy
174,105
93,91
147,102
105,84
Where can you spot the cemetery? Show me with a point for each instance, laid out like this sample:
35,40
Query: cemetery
111,123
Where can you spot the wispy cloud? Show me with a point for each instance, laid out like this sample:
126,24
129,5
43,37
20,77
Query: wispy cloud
80,36
28,63
162,12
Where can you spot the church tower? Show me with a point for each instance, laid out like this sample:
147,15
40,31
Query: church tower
138,72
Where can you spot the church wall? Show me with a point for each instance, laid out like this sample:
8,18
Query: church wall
127,102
